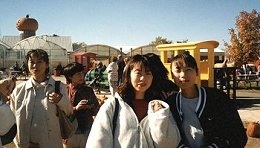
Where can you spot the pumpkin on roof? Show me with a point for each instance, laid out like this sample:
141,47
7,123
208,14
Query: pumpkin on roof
26,24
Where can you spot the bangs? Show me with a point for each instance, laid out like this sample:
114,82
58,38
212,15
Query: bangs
184,60
39,53
180,62
142,64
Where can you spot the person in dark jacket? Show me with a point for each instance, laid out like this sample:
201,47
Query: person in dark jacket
206,116
84,102
121,65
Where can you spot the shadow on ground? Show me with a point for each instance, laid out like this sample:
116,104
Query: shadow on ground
248,103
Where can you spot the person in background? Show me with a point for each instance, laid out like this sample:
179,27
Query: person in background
93,64
98,76
206,116
126,60
24,69
8,126
59,68
248,69
142,119
35,103
121,65
85,104
112,70
258,70
16,66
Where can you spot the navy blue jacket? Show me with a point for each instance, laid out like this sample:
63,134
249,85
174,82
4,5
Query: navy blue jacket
218,116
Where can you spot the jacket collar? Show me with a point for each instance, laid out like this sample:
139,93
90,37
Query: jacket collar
29,83
201,102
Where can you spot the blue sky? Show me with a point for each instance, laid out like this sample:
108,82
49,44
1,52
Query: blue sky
127,22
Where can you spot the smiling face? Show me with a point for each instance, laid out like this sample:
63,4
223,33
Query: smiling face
184,77
141,80
184,72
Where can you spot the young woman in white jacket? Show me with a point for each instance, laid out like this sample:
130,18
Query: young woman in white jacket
142,119
35,103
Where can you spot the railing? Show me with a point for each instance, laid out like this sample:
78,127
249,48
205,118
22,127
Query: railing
248,79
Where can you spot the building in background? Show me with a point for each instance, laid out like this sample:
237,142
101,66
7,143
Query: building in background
14,48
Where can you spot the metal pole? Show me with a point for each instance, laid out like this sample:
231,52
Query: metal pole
4,58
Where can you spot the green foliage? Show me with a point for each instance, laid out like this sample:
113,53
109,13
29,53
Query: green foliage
159,40
78,45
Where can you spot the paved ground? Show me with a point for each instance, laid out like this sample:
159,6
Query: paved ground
248,102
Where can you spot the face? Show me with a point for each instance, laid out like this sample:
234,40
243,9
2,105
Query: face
140,79
183,76
37,68
77,78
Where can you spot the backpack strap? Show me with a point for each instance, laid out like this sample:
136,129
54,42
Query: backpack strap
115,116
57,90
57,86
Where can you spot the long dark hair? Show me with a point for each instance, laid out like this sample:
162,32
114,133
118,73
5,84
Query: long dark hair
126,90
164,85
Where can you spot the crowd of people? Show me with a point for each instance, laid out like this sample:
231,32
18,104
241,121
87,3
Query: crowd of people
146,109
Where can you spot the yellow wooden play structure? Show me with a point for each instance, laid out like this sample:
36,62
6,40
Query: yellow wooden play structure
206,67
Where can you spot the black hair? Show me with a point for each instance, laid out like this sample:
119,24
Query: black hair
126,90
165,85
157,66
41,54
71,69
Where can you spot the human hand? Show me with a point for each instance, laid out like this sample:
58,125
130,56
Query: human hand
65,141
102,99
83,104
156,105
54,98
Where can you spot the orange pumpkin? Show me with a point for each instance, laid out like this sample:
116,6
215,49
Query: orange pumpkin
253,129
27,24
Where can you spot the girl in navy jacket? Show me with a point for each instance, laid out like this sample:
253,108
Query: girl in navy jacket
206,116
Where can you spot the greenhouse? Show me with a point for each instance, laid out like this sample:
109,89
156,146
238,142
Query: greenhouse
57,54
143,50
104,52
4,48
